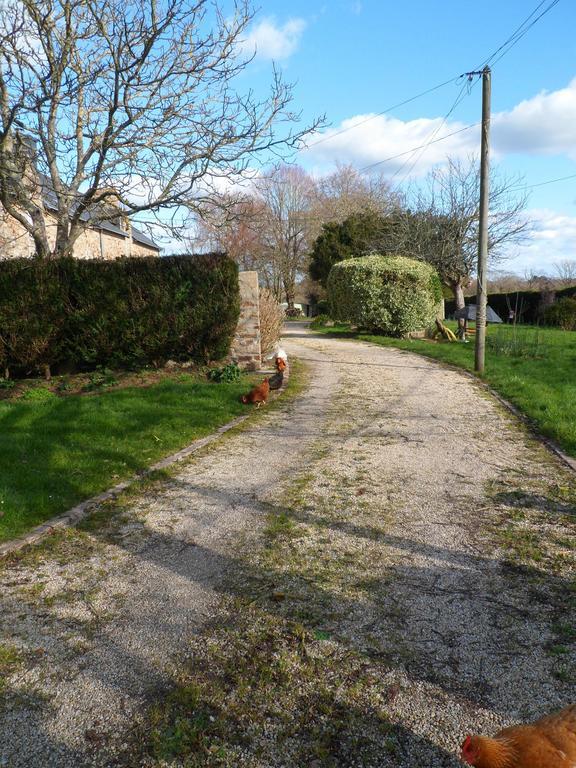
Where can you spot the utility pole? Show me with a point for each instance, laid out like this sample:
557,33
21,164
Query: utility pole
481,294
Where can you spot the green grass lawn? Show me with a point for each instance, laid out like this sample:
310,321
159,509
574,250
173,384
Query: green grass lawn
533,368
56,451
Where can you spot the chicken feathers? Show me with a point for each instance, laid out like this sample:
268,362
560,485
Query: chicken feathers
259,394
549,742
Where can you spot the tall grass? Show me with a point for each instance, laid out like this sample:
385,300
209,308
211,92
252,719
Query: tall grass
520,341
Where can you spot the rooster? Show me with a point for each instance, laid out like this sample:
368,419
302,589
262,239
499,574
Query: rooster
546,743
258,394
280,364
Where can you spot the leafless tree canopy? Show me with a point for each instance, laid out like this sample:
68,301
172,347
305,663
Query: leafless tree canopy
346,191
131,102
566,271
272,228
444,228
287,194
232,224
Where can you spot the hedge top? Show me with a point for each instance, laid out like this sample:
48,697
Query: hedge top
396,268
135,311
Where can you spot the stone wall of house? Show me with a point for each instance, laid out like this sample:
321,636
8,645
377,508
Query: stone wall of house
245,349
15,242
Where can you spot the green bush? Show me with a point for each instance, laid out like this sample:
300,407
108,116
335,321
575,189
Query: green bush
320,321
562,314
116,313
39,395
227,373
390,294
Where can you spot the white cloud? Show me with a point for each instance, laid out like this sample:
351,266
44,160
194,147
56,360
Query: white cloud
552,240
271,41
544,124
370,139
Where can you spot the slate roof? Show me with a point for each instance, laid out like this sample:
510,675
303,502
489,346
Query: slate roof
51,203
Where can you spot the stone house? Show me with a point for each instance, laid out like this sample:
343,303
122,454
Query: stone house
99,240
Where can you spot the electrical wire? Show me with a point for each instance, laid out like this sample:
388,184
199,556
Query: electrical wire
431,139
519,33
383,112
414,149
543,183
503,49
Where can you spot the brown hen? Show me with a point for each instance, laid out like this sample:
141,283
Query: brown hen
258,394
546,743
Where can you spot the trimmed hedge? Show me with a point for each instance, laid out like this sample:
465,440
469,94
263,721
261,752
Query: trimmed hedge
529,305
562,314
391,294
126,312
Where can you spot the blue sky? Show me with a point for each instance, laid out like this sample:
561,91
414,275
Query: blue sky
351,59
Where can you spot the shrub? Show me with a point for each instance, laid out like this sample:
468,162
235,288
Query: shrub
39,395
320,321
391,294
562,313
271,321
125,312
227,373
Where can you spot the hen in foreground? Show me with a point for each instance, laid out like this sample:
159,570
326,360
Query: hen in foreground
258,394
546,743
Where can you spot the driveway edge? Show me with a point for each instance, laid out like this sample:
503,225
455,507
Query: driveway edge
531,426
73,516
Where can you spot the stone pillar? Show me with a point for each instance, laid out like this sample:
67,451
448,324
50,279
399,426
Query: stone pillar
245,349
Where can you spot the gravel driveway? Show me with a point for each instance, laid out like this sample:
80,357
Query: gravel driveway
398,513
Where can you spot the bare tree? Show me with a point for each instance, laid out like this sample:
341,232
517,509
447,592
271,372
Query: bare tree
346,191
566,271
129,104
288,226
443,227
232,224
273,228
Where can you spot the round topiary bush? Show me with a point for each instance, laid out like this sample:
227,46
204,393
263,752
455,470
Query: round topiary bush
391,294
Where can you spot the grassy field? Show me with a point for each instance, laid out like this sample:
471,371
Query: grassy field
57,451
533,368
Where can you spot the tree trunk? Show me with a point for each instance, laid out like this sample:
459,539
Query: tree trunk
458,292
41,246
62,247
290,293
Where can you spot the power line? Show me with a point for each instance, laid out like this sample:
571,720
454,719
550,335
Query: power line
414,149
384,111
519,33
431,139
503,49
506,46
514,38
544,183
